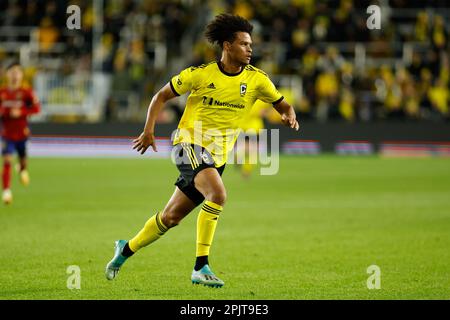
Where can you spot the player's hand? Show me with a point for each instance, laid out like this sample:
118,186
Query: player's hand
15,113
290,121
144,141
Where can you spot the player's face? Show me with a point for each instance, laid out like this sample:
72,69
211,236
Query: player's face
14,76
240,49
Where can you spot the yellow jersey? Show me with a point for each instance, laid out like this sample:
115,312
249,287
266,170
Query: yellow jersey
254,119
217,104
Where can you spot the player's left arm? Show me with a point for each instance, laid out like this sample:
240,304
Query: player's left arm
32,105
288,116
269,93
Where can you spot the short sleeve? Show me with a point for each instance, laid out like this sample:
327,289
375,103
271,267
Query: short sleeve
268,92
182,82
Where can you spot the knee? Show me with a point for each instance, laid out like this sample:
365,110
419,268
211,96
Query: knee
7,160
218,196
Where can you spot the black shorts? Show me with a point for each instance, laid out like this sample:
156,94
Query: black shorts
190,159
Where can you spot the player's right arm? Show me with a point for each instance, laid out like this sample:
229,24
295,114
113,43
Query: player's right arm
178,85
147,137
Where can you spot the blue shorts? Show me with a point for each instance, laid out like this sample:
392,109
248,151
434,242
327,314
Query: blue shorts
9,146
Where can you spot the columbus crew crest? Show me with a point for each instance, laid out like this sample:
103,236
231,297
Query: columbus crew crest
243,89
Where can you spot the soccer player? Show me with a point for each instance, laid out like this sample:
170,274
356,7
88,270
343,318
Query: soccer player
16,104
247,149
221,93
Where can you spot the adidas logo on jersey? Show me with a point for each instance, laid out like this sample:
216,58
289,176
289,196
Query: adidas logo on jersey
211,86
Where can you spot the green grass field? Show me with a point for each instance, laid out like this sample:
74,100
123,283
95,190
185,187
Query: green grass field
309,232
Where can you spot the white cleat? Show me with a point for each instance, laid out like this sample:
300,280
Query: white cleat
113,267
206,277
7,196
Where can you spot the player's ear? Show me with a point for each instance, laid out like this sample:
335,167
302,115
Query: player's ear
226,45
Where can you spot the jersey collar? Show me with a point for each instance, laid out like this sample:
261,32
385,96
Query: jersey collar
227,73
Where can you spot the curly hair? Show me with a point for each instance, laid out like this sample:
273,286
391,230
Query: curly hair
224,28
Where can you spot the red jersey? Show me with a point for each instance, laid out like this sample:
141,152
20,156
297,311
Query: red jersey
26,103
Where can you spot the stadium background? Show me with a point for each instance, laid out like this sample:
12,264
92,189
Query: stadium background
326,61
356,92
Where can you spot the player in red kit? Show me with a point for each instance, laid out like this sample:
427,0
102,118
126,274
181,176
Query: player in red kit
16,104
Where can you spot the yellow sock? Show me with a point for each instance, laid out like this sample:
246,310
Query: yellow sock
206,226
153,229
247,168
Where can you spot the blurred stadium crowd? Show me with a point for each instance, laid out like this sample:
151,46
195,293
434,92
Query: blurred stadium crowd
346,71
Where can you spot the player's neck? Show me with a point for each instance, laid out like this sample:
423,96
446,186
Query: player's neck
230,66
